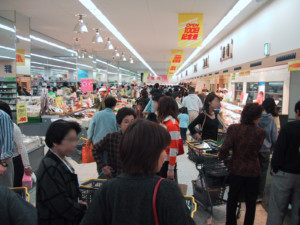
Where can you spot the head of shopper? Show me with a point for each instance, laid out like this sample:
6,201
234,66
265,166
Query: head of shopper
156,85
72,89
269,106
297,110
110,102
251,114
155,98
125,117
62,137
132,86
141,155
211,103
167,106
144,93
103,92
6,108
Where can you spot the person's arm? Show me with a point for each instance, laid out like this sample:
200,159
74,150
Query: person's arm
99,149
227,145
90,133
56,197
148,107
279,151
171,205
274,133
174,133
18,139
221,121
199,120
183,104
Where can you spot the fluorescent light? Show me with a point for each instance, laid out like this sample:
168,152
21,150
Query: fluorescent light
2,26
98,60
52,44
28,56
237,8
7,48
51,65
23,38
59,60
103,19
38,67
6,57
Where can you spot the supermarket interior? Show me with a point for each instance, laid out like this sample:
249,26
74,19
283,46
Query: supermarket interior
86,61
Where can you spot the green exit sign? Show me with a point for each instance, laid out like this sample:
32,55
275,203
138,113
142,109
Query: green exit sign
267,49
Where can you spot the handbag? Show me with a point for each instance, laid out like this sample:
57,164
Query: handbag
202,126
154,200
180,147
87,153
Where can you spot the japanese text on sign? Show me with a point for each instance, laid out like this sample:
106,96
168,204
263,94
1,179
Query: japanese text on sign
22,113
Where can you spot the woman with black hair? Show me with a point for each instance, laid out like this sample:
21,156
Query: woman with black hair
245,140
57,195
267,122
209,120
130,197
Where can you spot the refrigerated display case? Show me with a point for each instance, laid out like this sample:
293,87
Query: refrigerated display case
238,89
252,90
230,113
35,149
275,90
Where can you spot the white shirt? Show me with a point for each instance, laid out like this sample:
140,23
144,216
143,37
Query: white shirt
192,102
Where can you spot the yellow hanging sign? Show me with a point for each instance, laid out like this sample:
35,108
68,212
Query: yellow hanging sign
22,113
145,77
176,61
294,65
20,57
190,30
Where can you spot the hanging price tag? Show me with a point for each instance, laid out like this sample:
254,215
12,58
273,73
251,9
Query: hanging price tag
22,113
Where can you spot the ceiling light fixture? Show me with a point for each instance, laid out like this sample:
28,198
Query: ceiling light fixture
117,54
2,26
52,44
7,48
103,19
23,38
237,8
123,57
51,65
6,57
97,38
80,27
131,60
109,45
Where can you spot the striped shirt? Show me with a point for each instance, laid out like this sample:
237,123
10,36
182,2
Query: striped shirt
172,126
6,136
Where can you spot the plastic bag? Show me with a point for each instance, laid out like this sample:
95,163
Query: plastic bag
87,154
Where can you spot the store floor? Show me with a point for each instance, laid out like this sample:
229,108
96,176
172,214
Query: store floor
186,173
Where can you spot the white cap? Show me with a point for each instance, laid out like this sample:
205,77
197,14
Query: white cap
102,89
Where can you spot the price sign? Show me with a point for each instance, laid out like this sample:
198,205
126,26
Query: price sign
22,113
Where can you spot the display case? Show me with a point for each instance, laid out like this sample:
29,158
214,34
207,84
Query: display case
230,113
238,89
8,91
275,90
252,90
35,149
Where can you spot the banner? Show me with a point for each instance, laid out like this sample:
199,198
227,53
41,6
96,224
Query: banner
22,113
190,30
82,74
86,85
176,62
164,78
145,77
20,57
294,65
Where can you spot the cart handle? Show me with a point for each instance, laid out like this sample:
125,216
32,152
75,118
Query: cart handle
194,203
26,191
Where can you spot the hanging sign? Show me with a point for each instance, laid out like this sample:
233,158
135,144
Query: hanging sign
82,74
294,65
176,61
22,113
164,78
145,77
86,85
20,57
190,30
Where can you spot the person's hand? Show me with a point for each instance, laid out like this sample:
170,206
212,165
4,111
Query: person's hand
170,174
2,170
107,171
198,137
28,171
83,203
144,113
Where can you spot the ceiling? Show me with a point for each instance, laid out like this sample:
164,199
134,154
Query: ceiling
150,26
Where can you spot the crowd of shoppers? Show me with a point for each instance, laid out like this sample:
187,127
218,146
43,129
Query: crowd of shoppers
134,155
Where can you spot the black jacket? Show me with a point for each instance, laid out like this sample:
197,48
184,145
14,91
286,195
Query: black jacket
14,210
286,155
127,200
57,193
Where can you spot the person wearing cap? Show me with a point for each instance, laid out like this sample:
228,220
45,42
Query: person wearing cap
104,95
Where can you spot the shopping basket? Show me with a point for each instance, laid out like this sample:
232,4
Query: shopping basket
88,188
191,204
23,192
196,150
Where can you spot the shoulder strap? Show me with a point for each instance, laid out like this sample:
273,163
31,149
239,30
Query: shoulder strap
154,200
203,122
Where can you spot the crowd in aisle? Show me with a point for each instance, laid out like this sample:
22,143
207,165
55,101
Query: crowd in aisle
136,150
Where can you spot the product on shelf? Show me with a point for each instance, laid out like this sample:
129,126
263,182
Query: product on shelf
230,113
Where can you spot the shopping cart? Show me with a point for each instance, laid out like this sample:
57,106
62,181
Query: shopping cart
89,187
23,192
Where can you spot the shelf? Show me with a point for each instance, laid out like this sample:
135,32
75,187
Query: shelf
7,98
8,92
270,93
8,87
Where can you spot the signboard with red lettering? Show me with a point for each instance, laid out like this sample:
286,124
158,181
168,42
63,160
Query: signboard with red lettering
190,30
86,85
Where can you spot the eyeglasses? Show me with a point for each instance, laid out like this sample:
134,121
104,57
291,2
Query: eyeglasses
72,140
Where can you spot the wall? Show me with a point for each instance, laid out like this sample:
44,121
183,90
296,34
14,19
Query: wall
276,23
294,93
